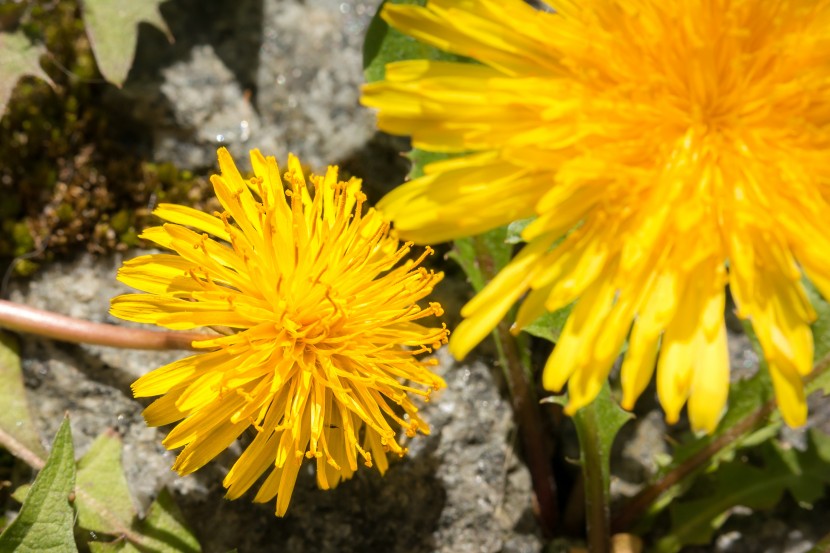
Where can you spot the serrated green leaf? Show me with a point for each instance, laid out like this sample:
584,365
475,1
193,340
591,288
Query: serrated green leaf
384,44
105,500
549,326
15,420
112,26
20,57
515,229
821,338
46,518
746,397
803,474
421,158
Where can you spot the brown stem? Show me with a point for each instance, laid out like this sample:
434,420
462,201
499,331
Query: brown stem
640,503
22,318
526,411
20,451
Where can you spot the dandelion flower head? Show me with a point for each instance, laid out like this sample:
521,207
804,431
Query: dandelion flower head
318,303
666,149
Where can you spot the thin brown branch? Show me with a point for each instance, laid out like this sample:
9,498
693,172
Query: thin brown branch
528,417
639,504
10,444
119,529
22,318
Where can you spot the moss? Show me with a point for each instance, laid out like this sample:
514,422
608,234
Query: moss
69,172
129,238
120,222
26,267
23,241
65,213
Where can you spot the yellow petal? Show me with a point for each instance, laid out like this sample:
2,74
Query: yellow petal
710,382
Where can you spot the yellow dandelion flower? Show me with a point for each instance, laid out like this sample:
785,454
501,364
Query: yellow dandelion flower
667,149
321,329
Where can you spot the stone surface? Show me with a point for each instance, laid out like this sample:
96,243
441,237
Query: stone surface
461,489
279,75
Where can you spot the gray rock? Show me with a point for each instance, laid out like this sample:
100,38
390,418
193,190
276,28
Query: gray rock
460,489
207,100
310,72
279,75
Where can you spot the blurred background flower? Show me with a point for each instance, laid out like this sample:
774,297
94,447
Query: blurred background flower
667,150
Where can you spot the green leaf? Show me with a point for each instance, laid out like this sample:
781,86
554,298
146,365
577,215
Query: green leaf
103,499
746,398
21,492
165,528
482,257
549,326
46,518
118,546
112,26
20,435
20,57
803,474
421,158
821,339
515,229
384,44
163,531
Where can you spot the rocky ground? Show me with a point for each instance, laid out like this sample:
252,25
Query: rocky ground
284,75
461,489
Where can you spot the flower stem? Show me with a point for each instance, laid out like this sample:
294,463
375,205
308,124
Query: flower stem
529,420
596,479
22,318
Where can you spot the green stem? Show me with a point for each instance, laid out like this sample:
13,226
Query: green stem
596,479
529,420
22,318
